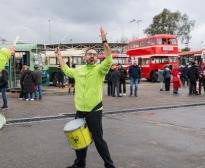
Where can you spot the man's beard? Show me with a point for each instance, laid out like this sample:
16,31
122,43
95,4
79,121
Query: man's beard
91,61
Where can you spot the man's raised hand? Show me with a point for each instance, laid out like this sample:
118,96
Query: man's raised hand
103,34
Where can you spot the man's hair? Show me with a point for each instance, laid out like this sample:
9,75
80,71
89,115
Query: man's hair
90,48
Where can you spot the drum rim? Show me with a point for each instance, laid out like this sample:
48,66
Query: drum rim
76,127
2,121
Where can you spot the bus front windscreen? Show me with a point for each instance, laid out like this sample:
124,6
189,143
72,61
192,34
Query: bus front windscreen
158,60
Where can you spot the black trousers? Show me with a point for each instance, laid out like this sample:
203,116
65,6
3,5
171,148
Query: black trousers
109,88
192,87
94,122
167,84
201,83
122,85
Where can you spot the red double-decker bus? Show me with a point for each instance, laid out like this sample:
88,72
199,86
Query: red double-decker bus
153,53
122,59
195,55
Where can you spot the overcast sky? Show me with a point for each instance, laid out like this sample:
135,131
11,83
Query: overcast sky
79,20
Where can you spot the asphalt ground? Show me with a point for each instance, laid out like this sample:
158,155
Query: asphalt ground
57,101
153,130
172,138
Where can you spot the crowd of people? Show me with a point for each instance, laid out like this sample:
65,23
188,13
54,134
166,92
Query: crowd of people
30,82
191,75
116,80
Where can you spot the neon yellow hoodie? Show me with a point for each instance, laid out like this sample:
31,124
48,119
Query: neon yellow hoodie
88,83
4,57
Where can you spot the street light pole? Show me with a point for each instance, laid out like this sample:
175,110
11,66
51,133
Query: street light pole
202,42
49,29
138,27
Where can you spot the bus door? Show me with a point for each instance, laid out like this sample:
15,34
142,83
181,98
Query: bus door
15,66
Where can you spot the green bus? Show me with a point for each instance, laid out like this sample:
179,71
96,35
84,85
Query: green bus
30,55
70,57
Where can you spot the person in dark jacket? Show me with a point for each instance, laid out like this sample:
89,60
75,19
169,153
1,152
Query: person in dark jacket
193,76
167,77
115,78
21,95
109,82
38,83
28,81
135,76
60,77
201,77
3,88
122,84
71,82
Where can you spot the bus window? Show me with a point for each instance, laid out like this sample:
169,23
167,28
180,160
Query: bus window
79,60
172,59
145,61
52,61
172,41
115,60
155,60
149,42
152,41
164,41
159,41
120,61
65,59
43,58
142,43
165,60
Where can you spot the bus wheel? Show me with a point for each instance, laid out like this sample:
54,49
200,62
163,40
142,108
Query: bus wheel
154,76
55,79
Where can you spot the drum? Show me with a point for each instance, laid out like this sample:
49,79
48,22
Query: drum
2,121
78,134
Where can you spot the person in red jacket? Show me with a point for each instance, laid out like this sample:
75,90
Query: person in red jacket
201,77
175,79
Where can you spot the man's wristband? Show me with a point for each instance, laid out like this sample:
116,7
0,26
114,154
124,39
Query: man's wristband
104,41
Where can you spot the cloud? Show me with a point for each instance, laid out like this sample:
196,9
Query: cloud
79,20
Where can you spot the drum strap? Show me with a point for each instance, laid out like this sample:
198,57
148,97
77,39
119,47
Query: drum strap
96,108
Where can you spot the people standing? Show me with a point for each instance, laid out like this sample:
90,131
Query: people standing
193,76
201,77
38,83
161,78
28,81
123,75
135,76
60,77
115,78
175,79
109,82
22,94
3,88
71,82
167,78
182,74
5,54
89,81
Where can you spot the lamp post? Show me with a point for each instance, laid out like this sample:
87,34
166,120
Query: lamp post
138,26
49,30
202,42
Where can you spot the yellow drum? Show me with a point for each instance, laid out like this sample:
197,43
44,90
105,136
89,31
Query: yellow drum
78,134
2,121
